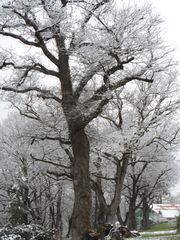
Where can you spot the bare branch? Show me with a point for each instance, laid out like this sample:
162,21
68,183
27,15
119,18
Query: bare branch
59,174
49,162
83,82
20,38
95,111
103,177
91,11
41,44
103,89
43,92
59,139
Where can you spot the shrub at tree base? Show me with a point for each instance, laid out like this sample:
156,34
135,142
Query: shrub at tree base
25,232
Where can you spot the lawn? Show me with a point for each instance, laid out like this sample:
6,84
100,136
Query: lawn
161,227
160,231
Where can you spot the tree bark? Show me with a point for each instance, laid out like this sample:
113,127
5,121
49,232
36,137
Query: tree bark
119,217
102,208
80,147
132,216
146,210
108,212
58,220
82,190
120,176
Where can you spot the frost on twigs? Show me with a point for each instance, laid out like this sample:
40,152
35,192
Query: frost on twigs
24,232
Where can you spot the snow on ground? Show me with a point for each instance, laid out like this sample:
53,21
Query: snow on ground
175,237
11,237
159,232
170,237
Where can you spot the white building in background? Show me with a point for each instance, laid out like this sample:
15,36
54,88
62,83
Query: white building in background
166,211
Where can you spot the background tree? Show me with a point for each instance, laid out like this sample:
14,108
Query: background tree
140,119
28,194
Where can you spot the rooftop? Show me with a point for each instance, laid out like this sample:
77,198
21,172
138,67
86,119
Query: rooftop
167,210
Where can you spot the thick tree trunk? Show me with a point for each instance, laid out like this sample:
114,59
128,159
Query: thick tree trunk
58,220
79,166
119,217
81,182
146,210
102,208
122,165
102,214
109,212
132,216
80,147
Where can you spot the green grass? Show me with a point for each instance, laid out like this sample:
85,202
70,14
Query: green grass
161,227
162,235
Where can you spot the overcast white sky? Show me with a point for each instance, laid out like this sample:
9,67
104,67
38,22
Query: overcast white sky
170,12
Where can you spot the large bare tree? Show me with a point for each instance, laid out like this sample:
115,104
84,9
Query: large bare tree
88,49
